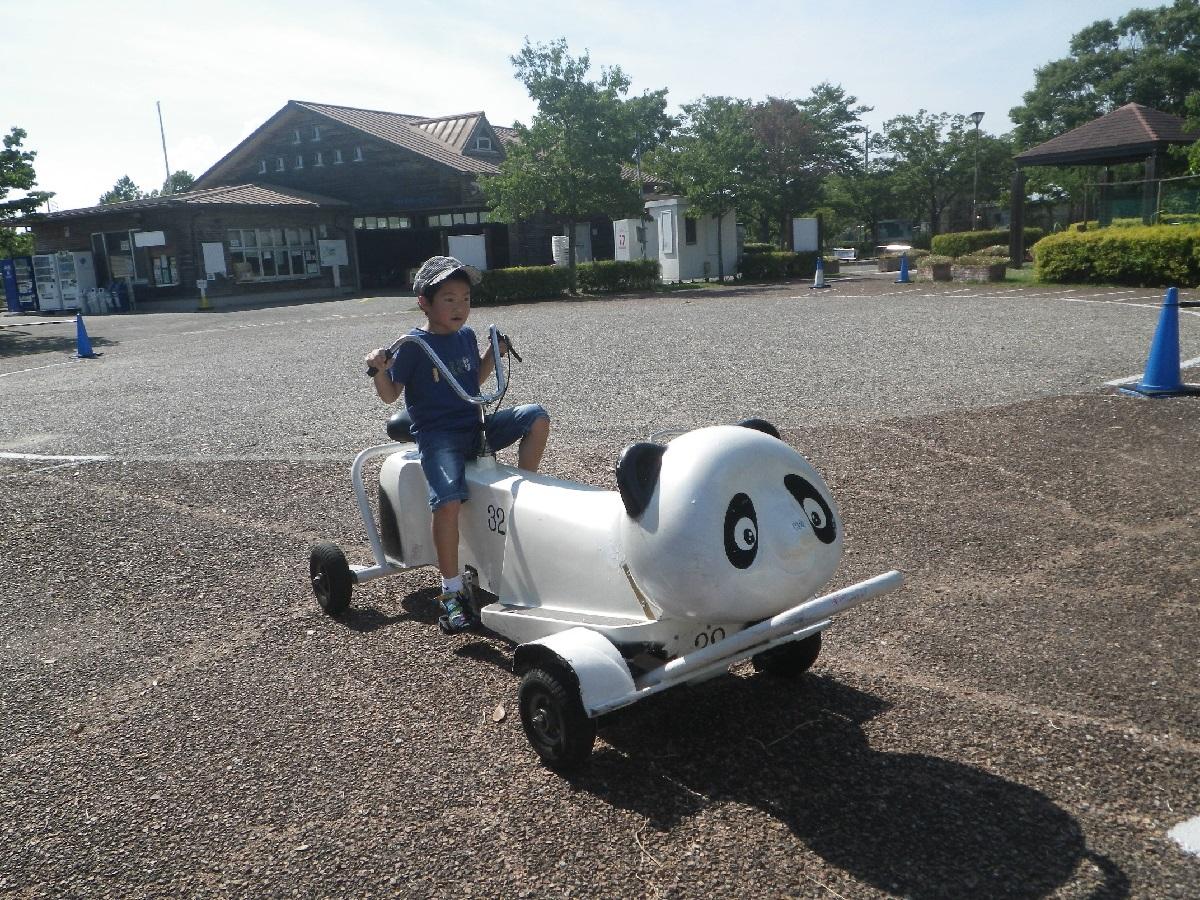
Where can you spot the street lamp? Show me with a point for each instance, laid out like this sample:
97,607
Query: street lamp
976,117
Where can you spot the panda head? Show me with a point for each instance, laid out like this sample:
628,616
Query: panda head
726,523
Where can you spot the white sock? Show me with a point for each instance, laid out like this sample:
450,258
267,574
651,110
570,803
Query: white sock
452,585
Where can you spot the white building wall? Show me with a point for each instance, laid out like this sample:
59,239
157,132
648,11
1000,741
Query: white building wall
682,261
628,245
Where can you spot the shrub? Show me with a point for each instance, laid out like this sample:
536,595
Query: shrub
777,265
753,248
927,262
522,283
994,250
1165,218
980,259
1146,256
960,243
611,275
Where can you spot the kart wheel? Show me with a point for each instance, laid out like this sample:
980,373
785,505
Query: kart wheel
789,660
554,720
331,579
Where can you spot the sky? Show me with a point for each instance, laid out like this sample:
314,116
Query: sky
83,78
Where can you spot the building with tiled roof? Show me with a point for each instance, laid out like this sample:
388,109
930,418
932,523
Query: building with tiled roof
1132,133
392,188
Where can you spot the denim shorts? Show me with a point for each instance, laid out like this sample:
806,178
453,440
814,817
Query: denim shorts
444,454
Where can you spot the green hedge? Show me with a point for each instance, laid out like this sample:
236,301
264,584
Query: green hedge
612,276
1147,256
1165,218
522,283
777,265
752,247
960,243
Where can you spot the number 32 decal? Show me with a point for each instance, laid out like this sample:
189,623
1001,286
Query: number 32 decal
496,519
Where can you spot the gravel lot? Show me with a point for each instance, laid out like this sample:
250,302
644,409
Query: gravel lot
1022,720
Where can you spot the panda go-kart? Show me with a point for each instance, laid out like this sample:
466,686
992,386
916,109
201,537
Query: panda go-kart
710,552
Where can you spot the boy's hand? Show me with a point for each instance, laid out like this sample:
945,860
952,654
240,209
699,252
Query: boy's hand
377,361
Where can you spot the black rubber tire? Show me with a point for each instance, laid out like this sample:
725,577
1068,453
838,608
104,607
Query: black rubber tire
557,727
789,660
332,581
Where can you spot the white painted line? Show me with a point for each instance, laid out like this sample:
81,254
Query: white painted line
35,368
1187,835
4,454
1117,382
59,462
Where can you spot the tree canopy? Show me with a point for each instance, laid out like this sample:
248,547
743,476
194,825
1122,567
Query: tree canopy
17,174
571,162
1147,56
125,189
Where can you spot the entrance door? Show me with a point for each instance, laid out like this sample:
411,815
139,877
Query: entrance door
469,248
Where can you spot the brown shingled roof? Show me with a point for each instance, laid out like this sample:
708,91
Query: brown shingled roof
226,195
419,134
1127,134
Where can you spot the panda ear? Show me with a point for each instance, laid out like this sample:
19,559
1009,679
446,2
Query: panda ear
637,474
761,425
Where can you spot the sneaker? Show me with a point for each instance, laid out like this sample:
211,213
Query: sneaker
457,609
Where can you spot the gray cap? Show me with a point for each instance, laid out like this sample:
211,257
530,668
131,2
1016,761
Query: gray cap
437,269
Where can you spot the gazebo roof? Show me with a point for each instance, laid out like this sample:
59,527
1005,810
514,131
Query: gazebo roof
1127,134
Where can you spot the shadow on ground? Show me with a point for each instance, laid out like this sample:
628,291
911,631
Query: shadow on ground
910,824
44,339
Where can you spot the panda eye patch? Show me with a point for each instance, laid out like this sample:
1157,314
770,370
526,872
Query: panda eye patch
814,506
741,531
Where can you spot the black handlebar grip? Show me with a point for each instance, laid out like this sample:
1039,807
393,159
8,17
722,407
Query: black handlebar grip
511,348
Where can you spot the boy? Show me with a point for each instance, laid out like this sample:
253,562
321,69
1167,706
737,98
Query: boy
445,427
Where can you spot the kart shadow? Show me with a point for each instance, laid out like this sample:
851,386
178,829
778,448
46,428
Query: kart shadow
419,606
909,824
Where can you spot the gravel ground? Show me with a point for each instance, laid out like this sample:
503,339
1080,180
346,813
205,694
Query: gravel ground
1021,720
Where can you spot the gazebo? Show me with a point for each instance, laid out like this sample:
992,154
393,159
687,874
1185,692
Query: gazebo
1129,134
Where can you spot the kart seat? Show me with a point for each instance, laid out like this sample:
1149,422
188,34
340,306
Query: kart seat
398,427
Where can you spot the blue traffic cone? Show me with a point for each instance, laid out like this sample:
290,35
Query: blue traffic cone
903,279
819,277
1162,377
83,345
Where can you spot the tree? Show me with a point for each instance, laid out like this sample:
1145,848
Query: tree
803,142
713,160
179,182
1148,56
931,158
124,190
571,162
17,173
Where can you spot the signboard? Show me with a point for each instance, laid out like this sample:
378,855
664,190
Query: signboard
333,253
214,258
149,239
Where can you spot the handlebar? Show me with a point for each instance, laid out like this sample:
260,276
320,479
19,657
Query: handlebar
482,399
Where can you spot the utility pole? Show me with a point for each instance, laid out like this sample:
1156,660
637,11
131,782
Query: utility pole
167,187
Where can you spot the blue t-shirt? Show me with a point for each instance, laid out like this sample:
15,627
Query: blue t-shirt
431,401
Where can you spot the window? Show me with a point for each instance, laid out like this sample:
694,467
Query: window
316,132
262,167
296,136
299,161
485,217
260,253
689,230
279,164
337,157
164,271
483,143
317,159
358,156
371,223
666,232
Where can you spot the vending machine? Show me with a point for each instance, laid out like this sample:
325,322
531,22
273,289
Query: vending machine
20,293
63,279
